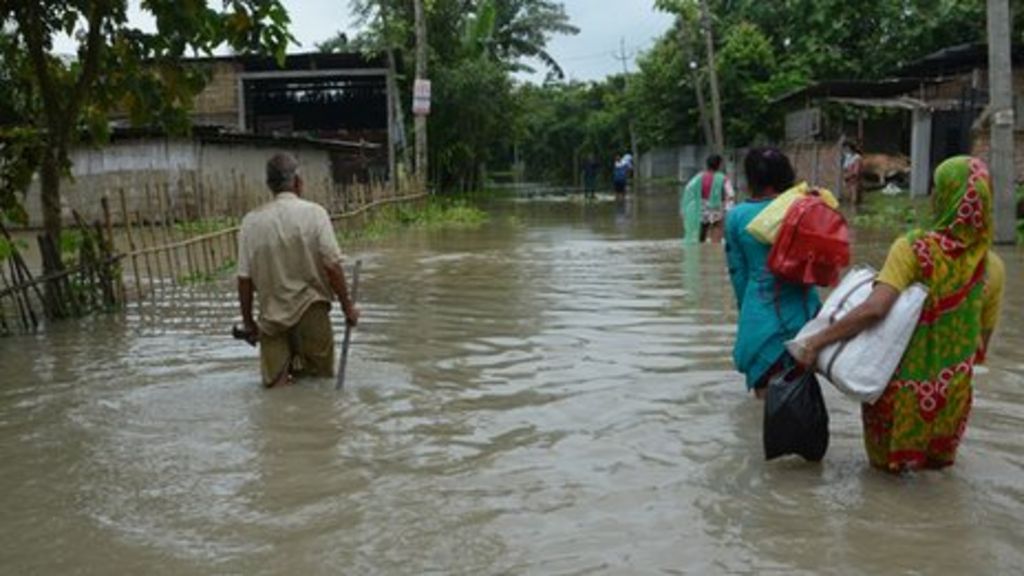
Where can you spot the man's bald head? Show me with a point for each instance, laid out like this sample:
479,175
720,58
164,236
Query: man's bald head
282,171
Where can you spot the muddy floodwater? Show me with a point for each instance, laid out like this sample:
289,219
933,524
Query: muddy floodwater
550,394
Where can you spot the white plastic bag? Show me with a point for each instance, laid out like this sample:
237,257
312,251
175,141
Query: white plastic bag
862,366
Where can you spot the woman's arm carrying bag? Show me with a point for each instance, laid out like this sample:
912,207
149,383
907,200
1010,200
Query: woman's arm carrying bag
862,366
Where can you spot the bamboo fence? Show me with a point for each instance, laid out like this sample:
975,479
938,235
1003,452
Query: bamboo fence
166,244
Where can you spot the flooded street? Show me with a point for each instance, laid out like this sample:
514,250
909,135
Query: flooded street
550,394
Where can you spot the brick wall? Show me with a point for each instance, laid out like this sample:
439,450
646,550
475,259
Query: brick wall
982,147
821,159
218,102
950,90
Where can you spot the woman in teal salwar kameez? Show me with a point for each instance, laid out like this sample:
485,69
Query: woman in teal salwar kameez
770,311
703,203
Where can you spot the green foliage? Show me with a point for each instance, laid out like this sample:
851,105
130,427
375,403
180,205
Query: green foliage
751,77
766,49
662,99
475,46
438,214
20,150
828,39
478,34
477,110
8,248
1020,221
49,103
561,124
522,29
71,242
893,212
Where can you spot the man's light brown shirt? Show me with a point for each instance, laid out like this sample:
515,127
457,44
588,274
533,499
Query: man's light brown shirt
283,247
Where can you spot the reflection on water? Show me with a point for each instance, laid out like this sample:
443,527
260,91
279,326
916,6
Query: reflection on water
553,395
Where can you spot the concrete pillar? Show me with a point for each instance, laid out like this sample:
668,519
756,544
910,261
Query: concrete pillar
815,168
241,105
920,153
1000,73
391,86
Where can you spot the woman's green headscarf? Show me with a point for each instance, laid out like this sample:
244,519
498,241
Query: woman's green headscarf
962,224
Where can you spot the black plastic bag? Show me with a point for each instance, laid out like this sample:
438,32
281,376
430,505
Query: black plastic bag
795,416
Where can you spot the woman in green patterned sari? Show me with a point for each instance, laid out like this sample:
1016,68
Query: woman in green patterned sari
920,419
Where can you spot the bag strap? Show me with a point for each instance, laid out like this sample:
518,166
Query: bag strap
846,298
835,358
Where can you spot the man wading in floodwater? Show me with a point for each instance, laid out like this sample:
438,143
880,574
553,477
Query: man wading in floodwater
288,255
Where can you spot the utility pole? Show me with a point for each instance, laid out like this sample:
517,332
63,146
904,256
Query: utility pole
1000,80
625,77
698,84
399,133
420,126
399,114
702,107
716,100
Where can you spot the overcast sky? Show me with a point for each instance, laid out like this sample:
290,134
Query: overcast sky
590,55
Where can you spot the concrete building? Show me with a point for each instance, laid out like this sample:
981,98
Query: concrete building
930,109
334,111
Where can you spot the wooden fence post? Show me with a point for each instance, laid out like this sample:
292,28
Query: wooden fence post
127,221
154,240
108,223
170,224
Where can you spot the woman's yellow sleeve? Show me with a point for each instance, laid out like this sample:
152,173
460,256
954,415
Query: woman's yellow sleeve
901,267
995,282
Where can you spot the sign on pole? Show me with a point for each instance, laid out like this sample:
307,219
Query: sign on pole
421,97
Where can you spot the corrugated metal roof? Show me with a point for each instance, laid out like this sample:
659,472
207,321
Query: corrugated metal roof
218,134
954,60
302,61
888,88
932,69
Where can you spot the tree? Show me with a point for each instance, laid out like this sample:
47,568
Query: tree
751,79
664,96
116,67
19,141
559,123
831,39
475,108
475,46
524,27
689,19
768,48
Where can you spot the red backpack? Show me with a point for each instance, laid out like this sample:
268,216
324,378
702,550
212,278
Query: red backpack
813,245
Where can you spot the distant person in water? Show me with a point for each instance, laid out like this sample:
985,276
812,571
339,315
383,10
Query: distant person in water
289,260
590,169
853,166
620,176
704,201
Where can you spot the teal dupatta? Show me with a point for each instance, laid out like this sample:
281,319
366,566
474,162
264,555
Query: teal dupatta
691,205
770,311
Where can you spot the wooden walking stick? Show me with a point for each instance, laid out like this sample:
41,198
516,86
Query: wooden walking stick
343,361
